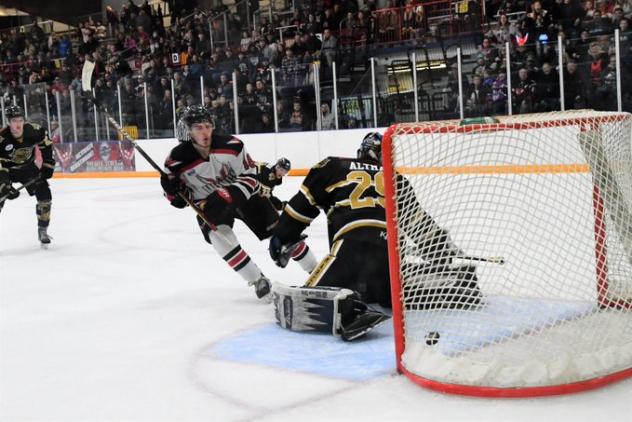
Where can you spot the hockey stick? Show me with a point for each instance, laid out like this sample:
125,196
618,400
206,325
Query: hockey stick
491,259
86,83
415,252
25,185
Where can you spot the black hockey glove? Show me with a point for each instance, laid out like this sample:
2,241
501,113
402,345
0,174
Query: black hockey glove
173,187
281,253
9,191
222,202
277,203
46,172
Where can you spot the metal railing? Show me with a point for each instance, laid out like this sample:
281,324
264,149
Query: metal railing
312,96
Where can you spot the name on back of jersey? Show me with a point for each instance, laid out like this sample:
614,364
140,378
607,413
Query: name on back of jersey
354,165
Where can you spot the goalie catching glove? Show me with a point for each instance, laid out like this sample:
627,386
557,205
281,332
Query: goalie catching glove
324,309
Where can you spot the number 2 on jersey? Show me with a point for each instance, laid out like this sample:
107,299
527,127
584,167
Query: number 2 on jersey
364,181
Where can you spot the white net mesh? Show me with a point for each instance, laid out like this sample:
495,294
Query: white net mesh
550,195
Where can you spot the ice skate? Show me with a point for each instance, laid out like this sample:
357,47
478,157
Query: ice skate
44,238
262,289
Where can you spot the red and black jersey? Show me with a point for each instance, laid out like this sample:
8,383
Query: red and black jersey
19,152
228,164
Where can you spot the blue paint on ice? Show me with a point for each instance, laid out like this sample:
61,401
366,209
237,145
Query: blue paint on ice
320,354
461,330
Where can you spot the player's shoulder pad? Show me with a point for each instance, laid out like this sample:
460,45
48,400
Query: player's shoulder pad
335,162
34,130
184,152
226,144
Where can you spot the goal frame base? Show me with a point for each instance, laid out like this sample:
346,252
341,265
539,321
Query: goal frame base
498,392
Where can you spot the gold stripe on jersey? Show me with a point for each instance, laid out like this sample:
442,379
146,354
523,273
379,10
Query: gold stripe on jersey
305,191
340,184
357,224
322,267
297,215
46,141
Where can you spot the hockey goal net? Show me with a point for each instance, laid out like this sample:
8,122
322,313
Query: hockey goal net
548,197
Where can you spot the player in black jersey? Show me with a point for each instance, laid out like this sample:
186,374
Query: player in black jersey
356,270
271,177
18,142
217,174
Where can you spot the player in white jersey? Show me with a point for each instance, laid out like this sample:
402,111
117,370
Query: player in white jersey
220,177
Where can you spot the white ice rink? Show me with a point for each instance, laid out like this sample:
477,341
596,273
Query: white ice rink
131,316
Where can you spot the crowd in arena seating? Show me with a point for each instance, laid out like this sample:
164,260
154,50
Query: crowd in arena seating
134,50
588,58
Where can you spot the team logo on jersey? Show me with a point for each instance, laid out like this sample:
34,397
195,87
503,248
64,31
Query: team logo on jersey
22,155
8,147
226,176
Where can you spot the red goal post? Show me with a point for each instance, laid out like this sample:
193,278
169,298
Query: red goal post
483,180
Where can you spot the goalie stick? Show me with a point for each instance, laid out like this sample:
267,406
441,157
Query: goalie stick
86,84
491,259
414,251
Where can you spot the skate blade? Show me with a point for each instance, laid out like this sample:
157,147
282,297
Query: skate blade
44,245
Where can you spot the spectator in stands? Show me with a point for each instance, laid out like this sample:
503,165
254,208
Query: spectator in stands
265,125
223,110
499,93
421,23
55,132
505,30
476,99
598,25
326,117
165,111
65,46
523,93
283,114
388,21
298,118
408,22
574,87
606,92
291,69
548,89
537,21
328,48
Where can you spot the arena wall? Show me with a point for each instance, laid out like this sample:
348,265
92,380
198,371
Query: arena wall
303,149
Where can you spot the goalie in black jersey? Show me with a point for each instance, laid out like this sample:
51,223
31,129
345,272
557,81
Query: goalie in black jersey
218,175
356,271
18,143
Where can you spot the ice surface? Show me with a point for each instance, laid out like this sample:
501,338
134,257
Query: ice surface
124,318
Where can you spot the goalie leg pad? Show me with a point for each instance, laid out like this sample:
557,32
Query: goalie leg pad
324,309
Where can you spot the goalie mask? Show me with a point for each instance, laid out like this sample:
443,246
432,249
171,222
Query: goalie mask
371,148
190,116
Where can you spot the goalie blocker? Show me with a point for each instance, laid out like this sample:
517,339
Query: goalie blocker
324,309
